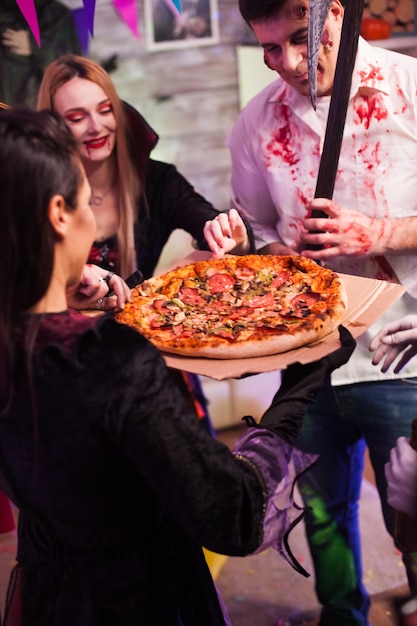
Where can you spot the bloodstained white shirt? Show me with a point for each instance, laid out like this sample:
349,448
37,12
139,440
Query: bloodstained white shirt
276,145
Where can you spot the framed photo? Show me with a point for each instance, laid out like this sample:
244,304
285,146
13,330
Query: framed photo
167,27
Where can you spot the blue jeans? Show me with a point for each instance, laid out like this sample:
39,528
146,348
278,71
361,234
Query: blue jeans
338,426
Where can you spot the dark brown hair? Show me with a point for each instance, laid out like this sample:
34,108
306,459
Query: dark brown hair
260,10
38,159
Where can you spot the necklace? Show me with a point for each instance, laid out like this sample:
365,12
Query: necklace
97,198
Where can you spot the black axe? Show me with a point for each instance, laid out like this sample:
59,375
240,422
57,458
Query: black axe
318,10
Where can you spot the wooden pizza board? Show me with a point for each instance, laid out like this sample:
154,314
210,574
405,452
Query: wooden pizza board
367,300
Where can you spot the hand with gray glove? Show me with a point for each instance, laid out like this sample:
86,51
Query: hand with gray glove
401,475
299,387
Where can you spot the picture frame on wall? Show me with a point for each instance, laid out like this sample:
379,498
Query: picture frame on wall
168,27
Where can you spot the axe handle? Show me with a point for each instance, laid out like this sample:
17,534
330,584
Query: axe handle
338,102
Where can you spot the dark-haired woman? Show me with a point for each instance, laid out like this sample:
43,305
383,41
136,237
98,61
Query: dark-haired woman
116,484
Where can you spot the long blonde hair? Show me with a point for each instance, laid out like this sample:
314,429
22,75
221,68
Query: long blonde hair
57,74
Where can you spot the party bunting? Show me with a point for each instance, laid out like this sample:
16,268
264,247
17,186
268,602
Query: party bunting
177,4
84,17
28,10
128,12
81,24
89,8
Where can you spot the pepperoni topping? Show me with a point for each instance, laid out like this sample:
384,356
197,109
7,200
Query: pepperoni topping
244,272
158,322
302,304
160,305
217,305
280,279
220,282
241,312
218,332
190,295
305,300
178,331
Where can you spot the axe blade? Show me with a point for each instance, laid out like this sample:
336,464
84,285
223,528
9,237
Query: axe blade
317,13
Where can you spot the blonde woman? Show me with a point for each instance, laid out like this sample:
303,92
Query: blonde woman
137,201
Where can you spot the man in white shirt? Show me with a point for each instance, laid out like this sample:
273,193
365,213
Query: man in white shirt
371,230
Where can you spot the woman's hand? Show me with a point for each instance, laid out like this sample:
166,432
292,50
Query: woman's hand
227,233
18,41
399,337
94,286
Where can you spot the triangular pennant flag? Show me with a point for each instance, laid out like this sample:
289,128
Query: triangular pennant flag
80,21
28,10
89,9
177,4
128,12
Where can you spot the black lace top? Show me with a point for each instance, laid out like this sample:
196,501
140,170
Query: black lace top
105,253
169,203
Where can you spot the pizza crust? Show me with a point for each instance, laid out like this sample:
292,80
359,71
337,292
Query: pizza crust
267,346
333,301
249,349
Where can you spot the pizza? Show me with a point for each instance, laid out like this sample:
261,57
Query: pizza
238,306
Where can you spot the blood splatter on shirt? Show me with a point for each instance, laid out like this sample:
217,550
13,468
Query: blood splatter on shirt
370,108
285,142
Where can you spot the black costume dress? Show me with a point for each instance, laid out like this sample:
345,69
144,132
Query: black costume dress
118,486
